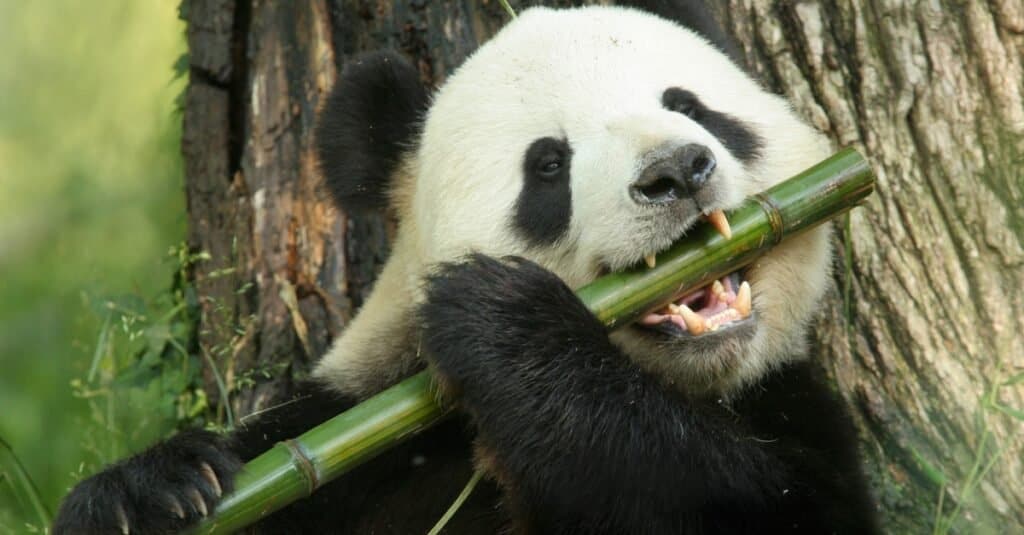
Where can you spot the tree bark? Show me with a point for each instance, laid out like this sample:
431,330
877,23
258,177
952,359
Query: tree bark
926,317
928,312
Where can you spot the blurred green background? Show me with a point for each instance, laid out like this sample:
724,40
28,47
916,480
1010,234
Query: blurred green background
91,200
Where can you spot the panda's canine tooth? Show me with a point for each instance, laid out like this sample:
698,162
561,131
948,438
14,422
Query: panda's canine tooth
721,223
742,302
718,290
650,261
694,321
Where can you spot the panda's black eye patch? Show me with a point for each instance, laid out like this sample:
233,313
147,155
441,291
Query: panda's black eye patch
544,206
738,137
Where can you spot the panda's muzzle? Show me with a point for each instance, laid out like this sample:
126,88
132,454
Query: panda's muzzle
674,175
678,177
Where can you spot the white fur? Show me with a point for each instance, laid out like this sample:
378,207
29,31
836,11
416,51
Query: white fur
594,76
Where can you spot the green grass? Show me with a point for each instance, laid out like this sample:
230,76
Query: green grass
986,455
90,200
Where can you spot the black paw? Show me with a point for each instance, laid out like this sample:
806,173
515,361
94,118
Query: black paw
164,489
485,309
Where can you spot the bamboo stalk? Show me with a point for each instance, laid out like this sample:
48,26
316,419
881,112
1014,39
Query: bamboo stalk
295,468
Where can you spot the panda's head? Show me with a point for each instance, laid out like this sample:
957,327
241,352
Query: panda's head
584,140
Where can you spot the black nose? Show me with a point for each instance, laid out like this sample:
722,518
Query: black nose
677,175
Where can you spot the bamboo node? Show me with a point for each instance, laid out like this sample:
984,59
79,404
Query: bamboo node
303,464
774,214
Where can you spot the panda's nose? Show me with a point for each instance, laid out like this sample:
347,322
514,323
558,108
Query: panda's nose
674,176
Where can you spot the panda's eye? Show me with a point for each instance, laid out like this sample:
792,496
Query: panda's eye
547,160
550,168
682,101
686,109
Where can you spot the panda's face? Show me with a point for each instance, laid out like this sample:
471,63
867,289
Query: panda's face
587,140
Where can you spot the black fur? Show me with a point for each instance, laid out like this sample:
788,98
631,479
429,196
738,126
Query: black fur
371,118
544,206
741,141
588,443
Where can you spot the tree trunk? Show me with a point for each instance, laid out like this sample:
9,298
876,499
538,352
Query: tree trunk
927,317
923,326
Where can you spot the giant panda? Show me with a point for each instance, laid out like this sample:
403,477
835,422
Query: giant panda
574,143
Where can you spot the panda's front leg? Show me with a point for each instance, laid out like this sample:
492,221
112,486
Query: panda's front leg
579,437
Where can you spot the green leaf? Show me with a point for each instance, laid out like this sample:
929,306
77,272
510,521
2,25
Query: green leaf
1009,411
21,483
1016,379
181,66
933,473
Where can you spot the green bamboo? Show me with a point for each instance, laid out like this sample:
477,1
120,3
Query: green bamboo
295,468
822,192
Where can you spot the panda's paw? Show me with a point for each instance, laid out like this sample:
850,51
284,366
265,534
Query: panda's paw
164,489
485,309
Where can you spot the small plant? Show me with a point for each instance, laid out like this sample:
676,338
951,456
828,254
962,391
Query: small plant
986,455
144,377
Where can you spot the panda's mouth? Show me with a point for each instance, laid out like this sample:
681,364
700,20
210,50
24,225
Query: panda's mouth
723,304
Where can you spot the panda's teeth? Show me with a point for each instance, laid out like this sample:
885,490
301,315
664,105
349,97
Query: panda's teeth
694,321
655,318
720,222
742,301
718,290
650,261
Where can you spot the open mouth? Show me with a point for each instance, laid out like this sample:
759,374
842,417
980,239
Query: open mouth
722,304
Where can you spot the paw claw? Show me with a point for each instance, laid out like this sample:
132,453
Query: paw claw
165,489
176,507
122,519
211,477
197,501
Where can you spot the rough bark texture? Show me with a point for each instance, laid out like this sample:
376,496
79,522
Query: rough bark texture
928,310
933,312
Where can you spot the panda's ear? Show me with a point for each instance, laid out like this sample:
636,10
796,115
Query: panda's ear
369,121
695,15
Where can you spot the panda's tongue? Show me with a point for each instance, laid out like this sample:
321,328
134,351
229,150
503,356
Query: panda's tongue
724,301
